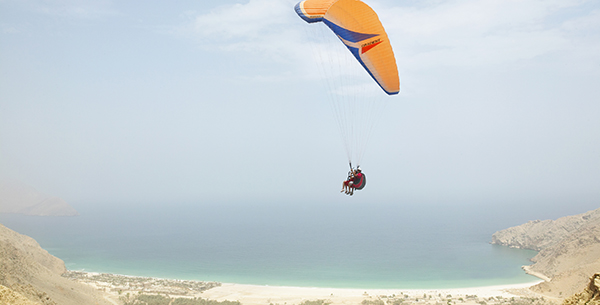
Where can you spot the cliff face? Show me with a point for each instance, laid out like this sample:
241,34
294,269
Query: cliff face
19,198
569,250
28,271
589,296
11,297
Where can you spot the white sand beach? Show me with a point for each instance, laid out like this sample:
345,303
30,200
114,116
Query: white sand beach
253,294
116,286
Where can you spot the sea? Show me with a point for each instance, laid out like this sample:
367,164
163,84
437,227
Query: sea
386,246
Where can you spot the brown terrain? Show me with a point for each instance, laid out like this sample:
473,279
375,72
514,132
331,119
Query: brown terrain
589,296
17,197
569,251
30,275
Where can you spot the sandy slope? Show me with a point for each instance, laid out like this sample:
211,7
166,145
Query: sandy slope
30,271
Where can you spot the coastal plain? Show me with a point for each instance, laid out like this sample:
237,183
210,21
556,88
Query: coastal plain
118,288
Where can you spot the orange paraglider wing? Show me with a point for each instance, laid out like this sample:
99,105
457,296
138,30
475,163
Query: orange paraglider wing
359,28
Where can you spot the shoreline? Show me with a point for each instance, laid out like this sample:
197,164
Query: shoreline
540,278
539,275
117,286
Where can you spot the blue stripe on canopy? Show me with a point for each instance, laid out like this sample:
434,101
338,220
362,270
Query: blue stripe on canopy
347,34
306,18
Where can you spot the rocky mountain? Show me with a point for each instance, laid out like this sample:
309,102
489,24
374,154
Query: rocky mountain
16,197
589,296
11,297
30,275
569,251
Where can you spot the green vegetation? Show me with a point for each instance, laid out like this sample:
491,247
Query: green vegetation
199,301
372,302
425,299
159,299
146,285
156,299
317,302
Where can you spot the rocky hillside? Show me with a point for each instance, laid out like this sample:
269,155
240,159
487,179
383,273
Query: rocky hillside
589,296
30,275
16,197
11,297
569,250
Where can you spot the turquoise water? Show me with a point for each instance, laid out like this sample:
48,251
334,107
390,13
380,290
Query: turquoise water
345,246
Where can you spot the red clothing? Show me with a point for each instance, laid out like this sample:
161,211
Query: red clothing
358,181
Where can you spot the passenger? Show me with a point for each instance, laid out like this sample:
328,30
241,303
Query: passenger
349,180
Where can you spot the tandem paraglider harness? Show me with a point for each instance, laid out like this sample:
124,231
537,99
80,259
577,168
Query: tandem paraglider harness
358,183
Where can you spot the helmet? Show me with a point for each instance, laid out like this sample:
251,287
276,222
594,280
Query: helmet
358,169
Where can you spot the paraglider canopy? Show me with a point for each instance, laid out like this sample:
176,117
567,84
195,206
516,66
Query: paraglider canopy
359,28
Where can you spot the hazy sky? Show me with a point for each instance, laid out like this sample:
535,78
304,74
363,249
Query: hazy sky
107,101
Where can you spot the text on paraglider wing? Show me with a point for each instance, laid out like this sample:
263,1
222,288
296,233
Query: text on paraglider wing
369,45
